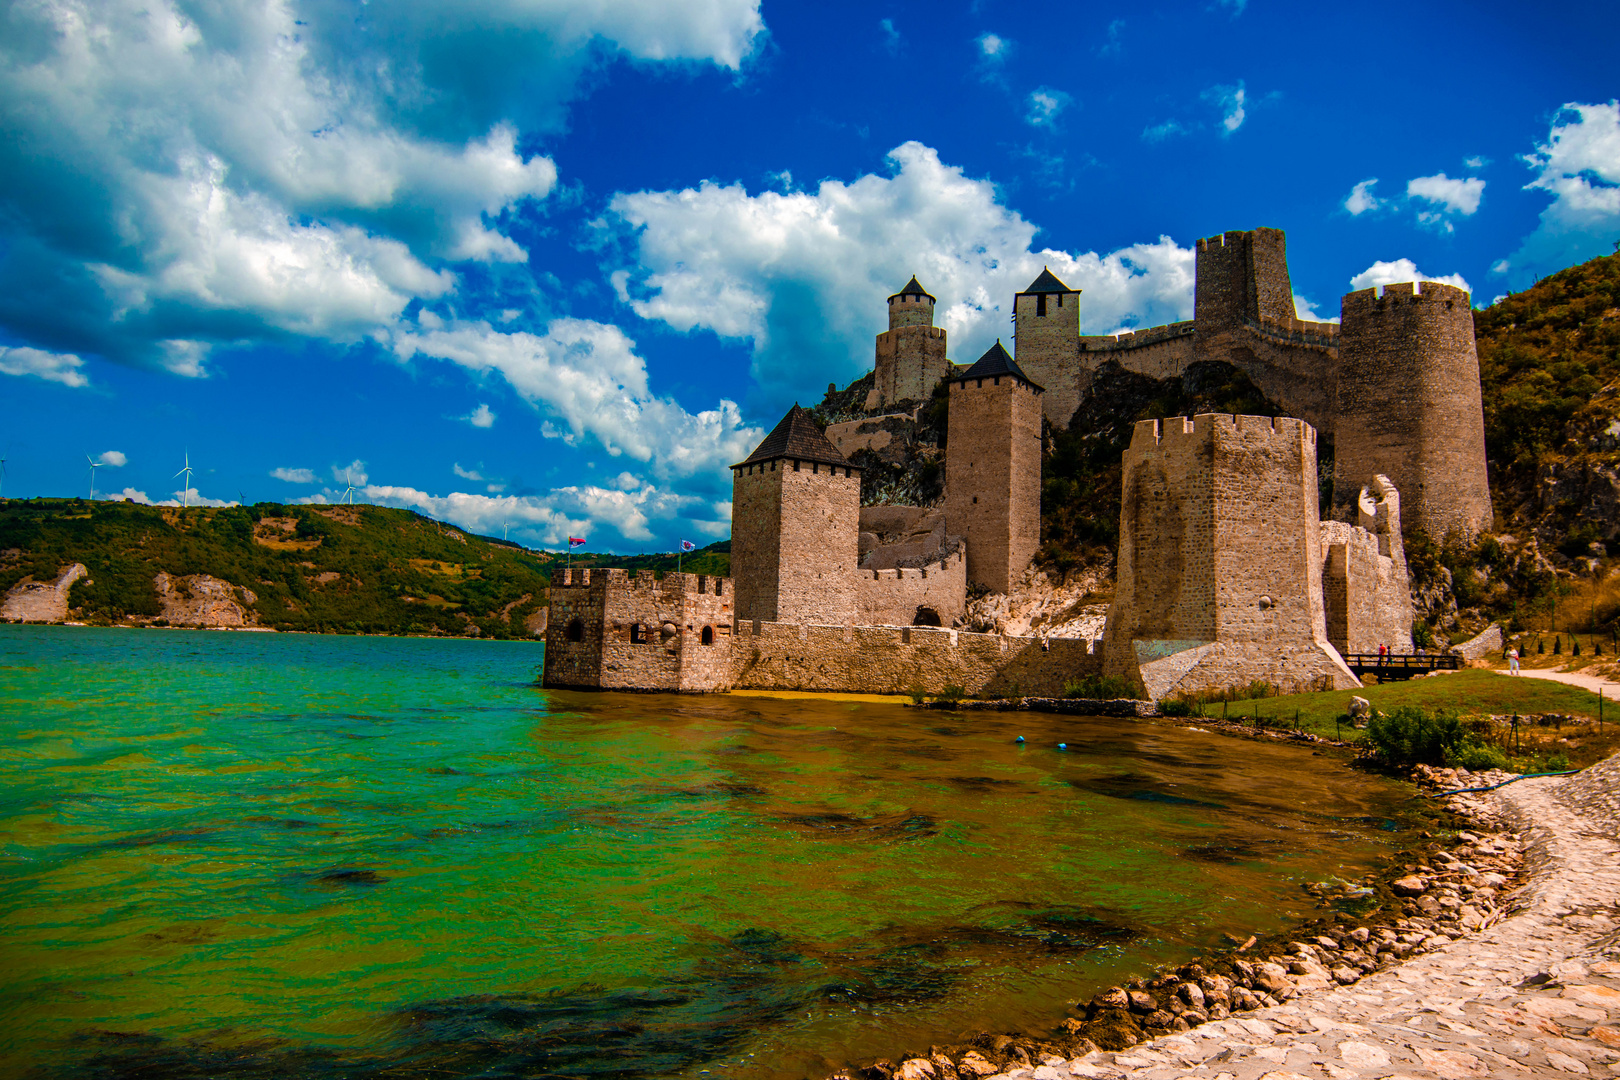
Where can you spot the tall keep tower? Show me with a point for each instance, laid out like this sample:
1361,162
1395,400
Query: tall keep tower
795,527
1408,406
993,468
1046,337
910,357
1242,275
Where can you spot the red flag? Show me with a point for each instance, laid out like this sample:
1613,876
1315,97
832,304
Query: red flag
575,541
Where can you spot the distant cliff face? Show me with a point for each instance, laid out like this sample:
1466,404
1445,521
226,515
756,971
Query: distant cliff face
41,601
204,601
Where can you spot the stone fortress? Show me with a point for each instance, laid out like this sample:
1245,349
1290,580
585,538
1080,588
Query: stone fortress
1228,570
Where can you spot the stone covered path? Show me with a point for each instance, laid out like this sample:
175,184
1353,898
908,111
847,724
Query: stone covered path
1536,995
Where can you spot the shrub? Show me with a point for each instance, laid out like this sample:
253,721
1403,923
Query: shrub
1422,635
915,692
1477,757
1175,707
950,694
1097,687
1414,736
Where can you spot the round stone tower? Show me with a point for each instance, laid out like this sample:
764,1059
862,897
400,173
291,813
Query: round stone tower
911,306
1408,407
910,355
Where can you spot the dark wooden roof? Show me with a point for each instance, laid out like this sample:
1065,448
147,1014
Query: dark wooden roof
913,289
995,361
797,437
1048,283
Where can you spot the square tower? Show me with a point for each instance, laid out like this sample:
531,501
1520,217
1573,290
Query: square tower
610,630
795,527
993,468
1046,337
1219,579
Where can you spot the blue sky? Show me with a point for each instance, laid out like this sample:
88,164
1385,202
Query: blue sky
550,265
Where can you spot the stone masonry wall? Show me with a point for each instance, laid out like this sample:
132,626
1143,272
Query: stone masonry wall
1047,348
896,597
41,601
1366,588
1220,565
993,477
1239,275
909,362
893,660
1408,406
640,633
794,541
1162,352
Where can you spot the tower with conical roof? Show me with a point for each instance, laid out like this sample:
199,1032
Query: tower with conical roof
993,468
795,527
910,355
1046,321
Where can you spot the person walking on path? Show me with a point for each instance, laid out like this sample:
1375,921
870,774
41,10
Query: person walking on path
1513,661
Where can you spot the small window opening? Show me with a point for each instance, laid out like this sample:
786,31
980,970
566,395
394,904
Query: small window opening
575,630
926,616
638,636
708,635
1040,304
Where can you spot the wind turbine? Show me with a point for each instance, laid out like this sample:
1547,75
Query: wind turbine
94,465
185,495
348,492
2,477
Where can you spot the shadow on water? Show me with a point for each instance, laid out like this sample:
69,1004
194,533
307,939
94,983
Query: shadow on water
1139,787
742,985
834,825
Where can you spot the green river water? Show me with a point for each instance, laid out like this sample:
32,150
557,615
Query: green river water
258,855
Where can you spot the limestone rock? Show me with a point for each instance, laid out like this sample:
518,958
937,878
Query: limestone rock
1039,606
1411,885
201,600
33,601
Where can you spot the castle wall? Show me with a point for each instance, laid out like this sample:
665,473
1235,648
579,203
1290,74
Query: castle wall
794,540
1295,364
872,432
1047,348
1366,588
1408,406
910,361
1242,275
993,476
639,633
1162,352
1220,564
897,597
893,660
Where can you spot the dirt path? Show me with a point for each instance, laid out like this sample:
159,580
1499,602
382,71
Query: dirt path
1593,683
1536,995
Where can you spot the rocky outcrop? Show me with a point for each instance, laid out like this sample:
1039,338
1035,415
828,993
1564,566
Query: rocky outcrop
1041,606
41,601
1480,646
204,601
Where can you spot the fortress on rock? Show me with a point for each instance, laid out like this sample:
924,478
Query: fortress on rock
1227,572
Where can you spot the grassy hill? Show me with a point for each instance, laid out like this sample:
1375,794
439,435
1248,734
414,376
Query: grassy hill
347,569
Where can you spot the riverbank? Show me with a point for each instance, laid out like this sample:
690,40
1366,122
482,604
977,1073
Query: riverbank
1503,962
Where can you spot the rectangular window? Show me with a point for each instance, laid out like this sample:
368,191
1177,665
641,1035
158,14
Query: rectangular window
637,637
1040,304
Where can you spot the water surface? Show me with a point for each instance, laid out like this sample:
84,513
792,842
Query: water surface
234,854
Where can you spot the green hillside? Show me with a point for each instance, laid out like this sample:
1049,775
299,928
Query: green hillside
348,569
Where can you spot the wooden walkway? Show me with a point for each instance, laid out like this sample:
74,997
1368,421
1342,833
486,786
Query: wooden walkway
1393,667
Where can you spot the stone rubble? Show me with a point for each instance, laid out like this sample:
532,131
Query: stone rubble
1504,963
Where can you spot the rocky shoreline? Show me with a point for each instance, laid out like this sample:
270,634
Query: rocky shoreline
1435,946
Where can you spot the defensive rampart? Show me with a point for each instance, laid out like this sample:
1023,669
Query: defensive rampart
611,631
896,660
904,596
1366,591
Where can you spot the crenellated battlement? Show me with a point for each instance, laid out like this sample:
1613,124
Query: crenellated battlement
1391,298
1136,339
1176,431
604,578
1296,332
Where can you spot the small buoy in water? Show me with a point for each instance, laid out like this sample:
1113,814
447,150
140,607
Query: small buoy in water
1019,739
1063,746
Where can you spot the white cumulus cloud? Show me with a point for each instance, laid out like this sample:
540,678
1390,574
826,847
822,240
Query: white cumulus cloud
481,417
1401,270
466,474
1361,198
588,376
1232,103
803,275
1579,166
1446,197
64,368
294,476
115,458
353,473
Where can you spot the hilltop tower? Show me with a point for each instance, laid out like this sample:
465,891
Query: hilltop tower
1242,275
1408,406
1046,337
795,527
1220,559
993,468
910,358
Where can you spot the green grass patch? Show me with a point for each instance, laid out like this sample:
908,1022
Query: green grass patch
1471,691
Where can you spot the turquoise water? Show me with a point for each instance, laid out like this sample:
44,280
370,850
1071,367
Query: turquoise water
256,855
